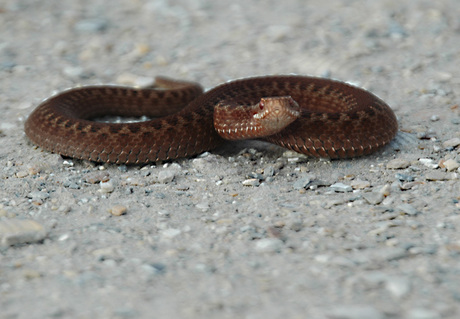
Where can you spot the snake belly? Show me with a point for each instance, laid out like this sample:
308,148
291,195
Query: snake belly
337,120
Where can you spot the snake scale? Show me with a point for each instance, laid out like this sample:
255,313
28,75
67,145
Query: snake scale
331,119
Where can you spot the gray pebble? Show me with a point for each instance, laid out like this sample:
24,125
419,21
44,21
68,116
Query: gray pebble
258,176
18,231
302,182
354,312
126,312
154,269
453,142
204,206
398,286
171,233
91,25
295,224
269,245
404,177
373,198
166,176
422,313
408,209
123,168
436,176
269,171
341,188
398,163
38,195
205,163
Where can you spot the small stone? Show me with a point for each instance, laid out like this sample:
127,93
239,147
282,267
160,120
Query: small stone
302,183
436,176
166,176
171,233
154,269
205,163
428,162
360,184
398,163
269,245
123,168
373,198
251,182
408,209
22,174
269,171
295,224
354,312
63,209
422,313
38,195
34,170
18,231
74,72
91,25
96,177
404,177
385,190
453,142
398,286
341,188
106,187
125,312
434,118
450,165
294,157
118,210
204,206
110,252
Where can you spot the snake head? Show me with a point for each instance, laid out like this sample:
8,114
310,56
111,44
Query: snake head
273,114
238,121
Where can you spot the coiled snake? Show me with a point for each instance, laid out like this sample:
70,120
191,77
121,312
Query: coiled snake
315,116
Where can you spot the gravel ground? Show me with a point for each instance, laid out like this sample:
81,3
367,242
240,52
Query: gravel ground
247,230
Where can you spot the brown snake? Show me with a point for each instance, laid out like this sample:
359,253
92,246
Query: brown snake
336,120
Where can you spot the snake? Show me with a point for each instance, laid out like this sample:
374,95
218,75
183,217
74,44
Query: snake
319,117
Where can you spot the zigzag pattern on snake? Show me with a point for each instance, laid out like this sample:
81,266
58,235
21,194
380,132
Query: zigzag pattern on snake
336,120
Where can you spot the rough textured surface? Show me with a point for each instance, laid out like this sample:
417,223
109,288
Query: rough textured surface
247,231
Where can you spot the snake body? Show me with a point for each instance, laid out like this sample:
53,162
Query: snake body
336,120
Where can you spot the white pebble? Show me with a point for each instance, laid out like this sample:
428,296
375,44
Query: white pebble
251,182
269,245
428,162
106,187
451,165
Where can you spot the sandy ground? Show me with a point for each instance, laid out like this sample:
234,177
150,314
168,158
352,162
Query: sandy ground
246,231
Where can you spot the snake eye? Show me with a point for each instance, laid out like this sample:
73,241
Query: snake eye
261,105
